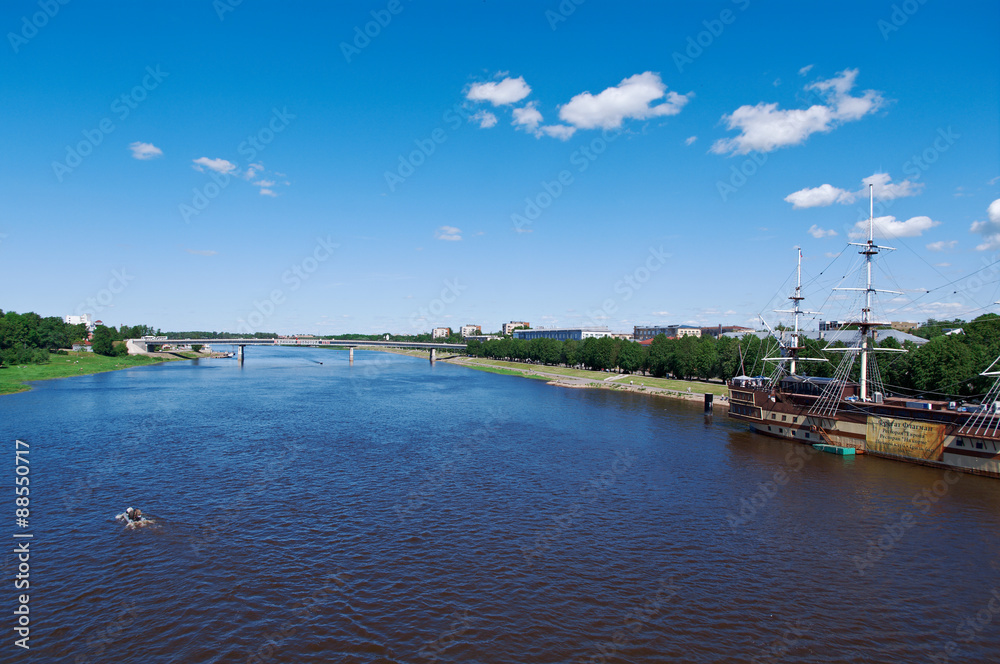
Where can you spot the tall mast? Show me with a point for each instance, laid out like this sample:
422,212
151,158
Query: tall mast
796,310
866,325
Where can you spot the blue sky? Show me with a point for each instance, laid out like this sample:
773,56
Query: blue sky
198,165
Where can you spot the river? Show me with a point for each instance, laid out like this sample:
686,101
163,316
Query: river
398,511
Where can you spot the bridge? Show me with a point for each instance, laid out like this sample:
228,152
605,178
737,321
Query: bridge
139,346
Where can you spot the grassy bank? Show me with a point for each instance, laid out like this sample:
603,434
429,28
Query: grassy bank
697,387
505,372
12,379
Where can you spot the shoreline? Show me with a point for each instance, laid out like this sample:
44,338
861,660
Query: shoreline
15,379
598,381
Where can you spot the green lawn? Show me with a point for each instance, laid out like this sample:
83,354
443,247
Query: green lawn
561,371
697,387
506,372
64,366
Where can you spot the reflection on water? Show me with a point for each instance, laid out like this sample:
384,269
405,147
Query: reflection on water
396,511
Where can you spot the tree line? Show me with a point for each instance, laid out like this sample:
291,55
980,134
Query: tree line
29,338
948,365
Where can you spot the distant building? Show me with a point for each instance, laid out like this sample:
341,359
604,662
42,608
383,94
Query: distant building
828,325
470,330
720,330
641,333
563,333
621,335
440,333
482,337
903,326
83,319
509,327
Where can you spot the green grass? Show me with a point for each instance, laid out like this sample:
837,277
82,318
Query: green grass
559,371
506,372
63,366
697,387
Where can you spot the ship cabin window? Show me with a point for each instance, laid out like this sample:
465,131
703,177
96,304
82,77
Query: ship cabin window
769,427
783,418
773,416
807,434
979,444
781,430
959,442
795,420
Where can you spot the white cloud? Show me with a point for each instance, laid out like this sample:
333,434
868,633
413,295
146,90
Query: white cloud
562,132
268,192
485,119
690,140
145,151
821,196
449,233
507,91
264,183
990,230
765,127
201,252
942,264
217,165
994,180
629,99
942,245
805,70
527,117
820,233
890,227
827,194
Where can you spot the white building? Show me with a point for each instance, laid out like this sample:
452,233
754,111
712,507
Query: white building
470,330
508,328
440,333
83,319
563,333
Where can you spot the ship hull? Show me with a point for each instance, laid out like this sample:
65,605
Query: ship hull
930,437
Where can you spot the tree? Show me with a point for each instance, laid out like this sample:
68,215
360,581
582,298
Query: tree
103,341
630,357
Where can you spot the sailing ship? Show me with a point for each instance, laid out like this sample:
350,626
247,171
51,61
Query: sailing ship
839,414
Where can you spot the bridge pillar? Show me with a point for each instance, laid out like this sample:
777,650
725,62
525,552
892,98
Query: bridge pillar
240,353
432,356
351,355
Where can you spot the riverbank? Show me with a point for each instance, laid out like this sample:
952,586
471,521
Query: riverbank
13,379
587,379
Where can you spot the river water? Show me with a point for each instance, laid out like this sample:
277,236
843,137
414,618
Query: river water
395,511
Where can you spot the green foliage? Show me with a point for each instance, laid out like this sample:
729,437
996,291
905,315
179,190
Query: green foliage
102,342
196,347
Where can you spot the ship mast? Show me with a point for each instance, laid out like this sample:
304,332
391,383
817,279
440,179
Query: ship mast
796,311
867,324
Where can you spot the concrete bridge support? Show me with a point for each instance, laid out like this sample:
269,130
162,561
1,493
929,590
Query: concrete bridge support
350,355
433,357
240,353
